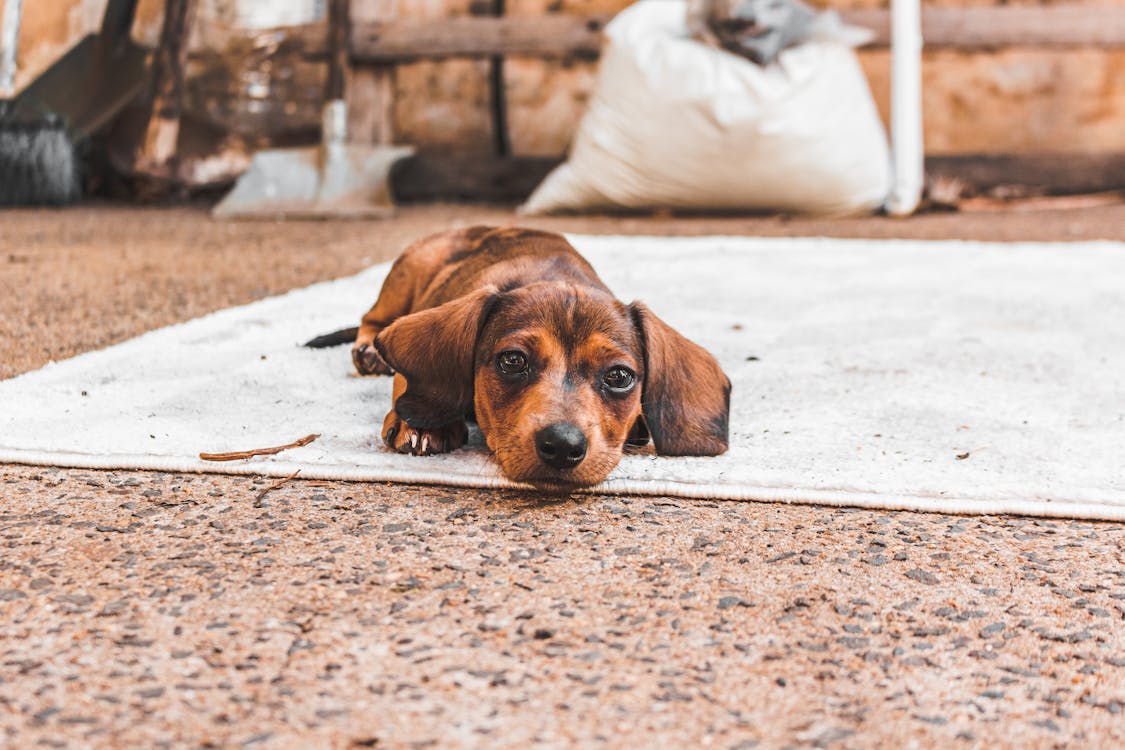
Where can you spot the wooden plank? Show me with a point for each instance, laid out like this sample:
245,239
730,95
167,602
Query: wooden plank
158,147
339,29
443,176
1053,174
371,88
1006,26
370,97
579,36
552,35
498,95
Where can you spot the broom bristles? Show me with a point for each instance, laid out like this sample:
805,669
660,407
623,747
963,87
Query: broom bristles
38,165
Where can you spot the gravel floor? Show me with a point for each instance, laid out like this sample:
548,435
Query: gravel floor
141,609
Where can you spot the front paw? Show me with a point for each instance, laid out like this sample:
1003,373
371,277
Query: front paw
401,437
368,362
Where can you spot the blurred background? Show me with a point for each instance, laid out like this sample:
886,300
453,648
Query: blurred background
1021,97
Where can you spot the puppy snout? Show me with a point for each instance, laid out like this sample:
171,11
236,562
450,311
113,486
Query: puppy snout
561,445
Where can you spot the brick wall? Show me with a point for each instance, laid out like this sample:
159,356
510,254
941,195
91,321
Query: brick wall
1016,100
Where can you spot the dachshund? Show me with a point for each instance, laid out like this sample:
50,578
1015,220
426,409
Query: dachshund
513,329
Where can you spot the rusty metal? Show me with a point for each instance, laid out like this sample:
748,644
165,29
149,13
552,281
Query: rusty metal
336,179
89,85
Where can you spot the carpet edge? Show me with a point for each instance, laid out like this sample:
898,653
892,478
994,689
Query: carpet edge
736,493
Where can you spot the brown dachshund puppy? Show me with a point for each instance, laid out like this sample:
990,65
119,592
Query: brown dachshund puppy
513,329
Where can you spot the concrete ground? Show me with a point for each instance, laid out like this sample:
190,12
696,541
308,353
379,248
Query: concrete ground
141,609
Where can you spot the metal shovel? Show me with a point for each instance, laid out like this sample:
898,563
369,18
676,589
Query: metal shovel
336,179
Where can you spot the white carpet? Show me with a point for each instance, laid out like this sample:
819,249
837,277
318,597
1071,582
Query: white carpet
880,363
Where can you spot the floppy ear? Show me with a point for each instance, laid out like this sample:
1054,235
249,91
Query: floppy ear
434,350
685,396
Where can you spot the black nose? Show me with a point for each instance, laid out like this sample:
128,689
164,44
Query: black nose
561,445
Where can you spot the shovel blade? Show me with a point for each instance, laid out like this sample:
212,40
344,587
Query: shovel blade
323,182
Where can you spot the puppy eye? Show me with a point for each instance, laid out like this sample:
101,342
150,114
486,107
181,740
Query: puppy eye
619,379
511,363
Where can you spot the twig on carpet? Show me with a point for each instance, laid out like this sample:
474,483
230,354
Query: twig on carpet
261,495
237,455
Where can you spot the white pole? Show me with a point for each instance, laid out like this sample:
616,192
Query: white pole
907,157
9,45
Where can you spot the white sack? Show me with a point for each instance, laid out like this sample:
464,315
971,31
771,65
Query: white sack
676,123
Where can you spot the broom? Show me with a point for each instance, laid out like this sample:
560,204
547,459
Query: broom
38,163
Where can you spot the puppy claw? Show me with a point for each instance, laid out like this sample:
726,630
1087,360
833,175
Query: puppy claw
368,362
403,438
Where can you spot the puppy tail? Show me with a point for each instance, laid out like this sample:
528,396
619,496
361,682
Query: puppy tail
336,338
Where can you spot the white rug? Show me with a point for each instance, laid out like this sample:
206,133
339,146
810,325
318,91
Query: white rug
951,377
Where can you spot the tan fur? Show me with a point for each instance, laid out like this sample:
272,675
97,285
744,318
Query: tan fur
454,302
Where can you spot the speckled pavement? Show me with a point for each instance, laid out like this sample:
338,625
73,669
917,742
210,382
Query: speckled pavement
140,609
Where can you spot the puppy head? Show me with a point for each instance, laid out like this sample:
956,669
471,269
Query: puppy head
558,384
559,378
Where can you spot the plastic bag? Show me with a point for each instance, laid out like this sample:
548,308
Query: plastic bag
760,29
674,123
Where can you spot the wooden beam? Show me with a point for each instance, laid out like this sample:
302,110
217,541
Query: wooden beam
580,36
557,35
339,29
1006,26
550,35
371,88
158,148
370,96
498,95
1051,174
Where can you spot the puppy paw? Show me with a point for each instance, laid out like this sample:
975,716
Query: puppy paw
368,362
401,437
